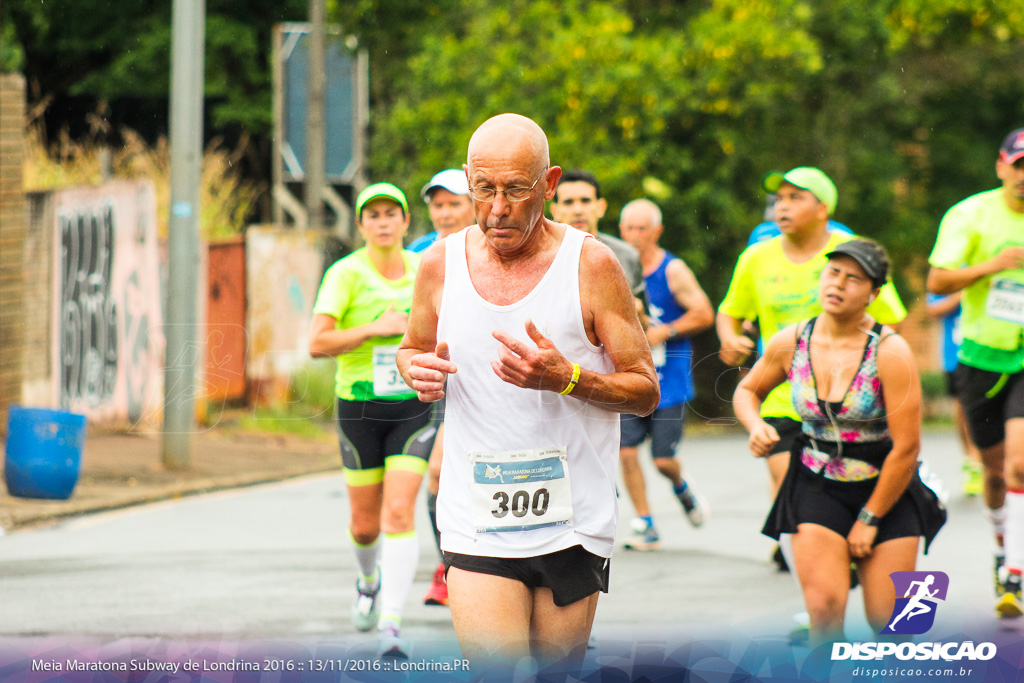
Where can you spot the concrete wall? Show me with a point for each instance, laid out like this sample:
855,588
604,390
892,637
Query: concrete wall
284,269
93,265
37,384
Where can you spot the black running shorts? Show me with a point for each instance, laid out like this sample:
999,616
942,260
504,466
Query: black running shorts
951,384
835,505
989,399
571,574
371,431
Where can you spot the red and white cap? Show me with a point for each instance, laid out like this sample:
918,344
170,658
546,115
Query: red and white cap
1013,147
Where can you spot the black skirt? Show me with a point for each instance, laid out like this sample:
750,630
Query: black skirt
808,497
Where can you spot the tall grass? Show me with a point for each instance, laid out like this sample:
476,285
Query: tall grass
226,198
313,388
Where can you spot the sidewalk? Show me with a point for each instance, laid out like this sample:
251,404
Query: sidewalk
119,470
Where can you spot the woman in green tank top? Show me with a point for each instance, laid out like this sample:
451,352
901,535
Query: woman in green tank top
384,431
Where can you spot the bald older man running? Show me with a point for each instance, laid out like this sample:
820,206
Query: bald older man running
528,327
679,310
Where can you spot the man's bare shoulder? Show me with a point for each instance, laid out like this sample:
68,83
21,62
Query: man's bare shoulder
432,262
596,255
550,234
676,265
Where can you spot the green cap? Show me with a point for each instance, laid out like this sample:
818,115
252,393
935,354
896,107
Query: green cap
806,178
377,190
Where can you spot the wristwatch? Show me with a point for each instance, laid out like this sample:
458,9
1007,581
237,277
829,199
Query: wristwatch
672,332
867,517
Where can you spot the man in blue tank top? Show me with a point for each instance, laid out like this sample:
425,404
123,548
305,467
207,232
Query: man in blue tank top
679,310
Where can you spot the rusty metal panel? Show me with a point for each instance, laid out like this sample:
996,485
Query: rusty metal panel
225,321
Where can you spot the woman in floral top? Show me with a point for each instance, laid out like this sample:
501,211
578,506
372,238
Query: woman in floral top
852,491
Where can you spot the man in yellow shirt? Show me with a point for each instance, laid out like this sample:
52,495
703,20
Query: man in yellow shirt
776,283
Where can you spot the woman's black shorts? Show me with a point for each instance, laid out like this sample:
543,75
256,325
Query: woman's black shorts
835,505
370,431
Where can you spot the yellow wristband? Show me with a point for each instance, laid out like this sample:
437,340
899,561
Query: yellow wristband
572,381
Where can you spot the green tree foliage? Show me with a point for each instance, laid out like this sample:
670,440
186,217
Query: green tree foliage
110,50
903,103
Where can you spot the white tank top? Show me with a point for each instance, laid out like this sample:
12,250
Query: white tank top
522,505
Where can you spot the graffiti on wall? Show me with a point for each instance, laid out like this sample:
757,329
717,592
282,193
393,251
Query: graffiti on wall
88,312
108,337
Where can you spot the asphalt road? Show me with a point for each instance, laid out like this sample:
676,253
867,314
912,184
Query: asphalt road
273,562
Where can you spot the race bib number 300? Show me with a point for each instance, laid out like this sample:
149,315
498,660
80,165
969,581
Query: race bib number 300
521,490
1006,301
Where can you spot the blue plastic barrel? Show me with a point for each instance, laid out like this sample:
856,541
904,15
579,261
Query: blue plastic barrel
44,452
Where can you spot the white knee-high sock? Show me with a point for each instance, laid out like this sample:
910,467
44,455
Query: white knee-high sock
1013,539
997,518
366,557
398,561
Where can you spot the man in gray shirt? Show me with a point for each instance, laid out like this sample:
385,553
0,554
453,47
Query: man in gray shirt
578,202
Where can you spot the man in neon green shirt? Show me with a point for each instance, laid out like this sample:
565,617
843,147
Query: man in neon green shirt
980,250
776,283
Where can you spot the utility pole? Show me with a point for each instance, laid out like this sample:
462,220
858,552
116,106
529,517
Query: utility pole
182,325
315,100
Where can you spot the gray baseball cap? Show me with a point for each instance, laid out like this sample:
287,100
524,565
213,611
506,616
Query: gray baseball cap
870,255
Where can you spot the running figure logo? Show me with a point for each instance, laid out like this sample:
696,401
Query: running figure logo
914,613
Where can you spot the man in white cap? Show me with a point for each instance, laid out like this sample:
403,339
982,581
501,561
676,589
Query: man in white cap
451,209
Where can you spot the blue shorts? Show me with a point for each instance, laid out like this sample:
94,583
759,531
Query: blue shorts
664,425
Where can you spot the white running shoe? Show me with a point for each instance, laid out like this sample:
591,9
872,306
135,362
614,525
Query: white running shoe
365,608
390,644
644,536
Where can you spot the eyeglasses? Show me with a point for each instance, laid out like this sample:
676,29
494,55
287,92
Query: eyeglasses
512,194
